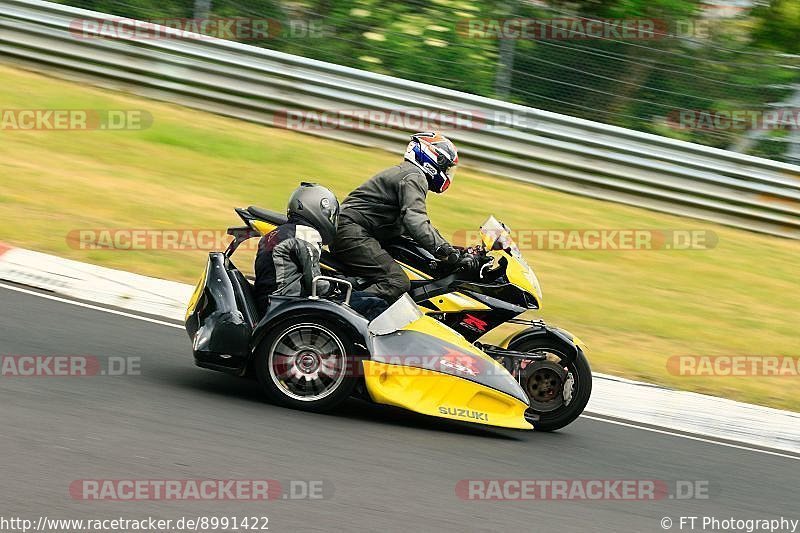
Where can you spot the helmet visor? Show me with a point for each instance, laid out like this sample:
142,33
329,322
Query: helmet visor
447,173
446,159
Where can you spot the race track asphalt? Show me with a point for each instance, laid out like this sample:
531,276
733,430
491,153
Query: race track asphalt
382,469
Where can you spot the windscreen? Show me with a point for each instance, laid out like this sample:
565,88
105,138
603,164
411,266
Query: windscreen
497,236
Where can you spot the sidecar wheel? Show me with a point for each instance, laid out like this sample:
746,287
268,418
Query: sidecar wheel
306,364
555,407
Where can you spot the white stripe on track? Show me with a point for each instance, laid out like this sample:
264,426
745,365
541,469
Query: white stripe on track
90,306
700,438
665,431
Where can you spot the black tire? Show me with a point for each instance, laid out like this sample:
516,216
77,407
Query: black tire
581,391
274,359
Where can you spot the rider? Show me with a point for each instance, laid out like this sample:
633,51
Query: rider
288,257
392,203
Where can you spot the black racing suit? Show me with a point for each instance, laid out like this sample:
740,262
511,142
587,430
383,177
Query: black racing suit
287,262
389,204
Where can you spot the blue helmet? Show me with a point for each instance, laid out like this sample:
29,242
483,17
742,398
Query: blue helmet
436,156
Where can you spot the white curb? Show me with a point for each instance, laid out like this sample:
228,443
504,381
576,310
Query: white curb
96,284
612,396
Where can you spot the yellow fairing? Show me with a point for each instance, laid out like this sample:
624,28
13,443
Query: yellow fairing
518,274
413,273
453,302
198,290
436,394
434,328
262,227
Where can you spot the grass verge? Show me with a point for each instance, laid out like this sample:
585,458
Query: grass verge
635,309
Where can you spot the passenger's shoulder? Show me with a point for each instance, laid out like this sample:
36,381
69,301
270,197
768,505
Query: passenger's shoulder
308,234
280,234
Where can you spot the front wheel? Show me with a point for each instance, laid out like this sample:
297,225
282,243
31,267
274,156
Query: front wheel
306,365
558,392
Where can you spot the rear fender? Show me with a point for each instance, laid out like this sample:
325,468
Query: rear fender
545,334
284,307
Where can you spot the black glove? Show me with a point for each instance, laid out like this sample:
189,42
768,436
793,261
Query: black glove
468,262
448,254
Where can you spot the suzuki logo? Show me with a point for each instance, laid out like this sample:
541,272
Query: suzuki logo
464,413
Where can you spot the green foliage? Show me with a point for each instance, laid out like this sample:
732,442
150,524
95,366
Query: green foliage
778,26
634,309
692,61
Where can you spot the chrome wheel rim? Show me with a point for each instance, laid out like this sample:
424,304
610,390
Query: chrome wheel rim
307,362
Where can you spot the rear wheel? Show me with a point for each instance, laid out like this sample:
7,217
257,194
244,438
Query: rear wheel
558,391
306,364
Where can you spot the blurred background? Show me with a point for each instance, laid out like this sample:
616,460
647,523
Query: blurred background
192,164
715,55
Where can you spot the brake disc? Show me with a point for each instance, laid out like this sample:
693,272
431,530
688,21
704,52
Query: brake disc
547,384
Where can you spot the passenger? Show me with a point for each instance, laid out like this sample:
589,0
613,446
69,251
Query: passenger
288,257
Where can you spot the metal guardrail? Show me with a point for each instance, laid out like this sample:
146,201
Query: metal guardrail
556,151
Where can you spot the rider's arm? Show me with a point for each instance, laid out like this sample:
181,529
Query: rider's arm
414,213
306,255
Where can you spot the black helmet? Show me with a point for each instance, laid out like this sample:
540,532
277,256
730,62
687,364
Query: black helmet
316,206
